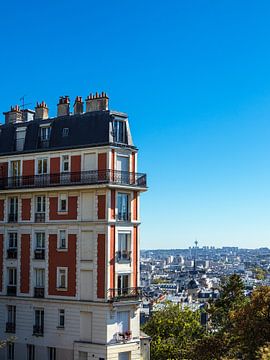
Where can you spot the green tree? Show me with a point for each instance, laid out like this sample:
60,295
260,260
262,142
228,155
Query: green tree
173,330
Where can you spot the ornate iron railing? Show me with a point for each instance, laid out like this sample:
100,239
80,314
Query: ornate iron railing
10,327
39,292
12,217
38,330
74,178
12,253
39,217
40,254
121,294
123,255
11,290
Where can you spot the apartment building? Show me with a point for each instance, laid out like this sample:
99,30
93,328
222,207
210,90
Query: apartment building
69,234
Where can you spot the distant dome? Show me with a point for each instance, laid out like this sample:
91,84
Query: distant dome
193,284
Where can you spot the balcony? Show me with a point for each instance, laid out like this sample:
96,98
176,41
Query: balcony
12,218
39,292
38,330
40,254
12,253
123,256
10,327
11,290
40,217
75,178
124,216
124,294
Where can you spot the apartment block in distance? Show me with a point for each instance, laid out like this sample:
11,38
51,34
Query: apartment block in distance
69,234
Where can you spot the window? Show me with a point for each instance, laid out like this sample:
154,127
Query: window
40,240
65,132
12,276
124,355
12,241
45,133
11,314
10,351
20,137
62,239
39,320
122,207
62,206
119,131
62,278
40,277
83,355
52,353
61,318
65,163
40,204
15,168
31,352
122,284
13,206
124,246
42,166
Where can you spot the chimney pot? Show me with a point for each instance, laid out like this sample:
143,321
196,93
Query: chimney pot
78,105
14,115
63,106
97,102
41,111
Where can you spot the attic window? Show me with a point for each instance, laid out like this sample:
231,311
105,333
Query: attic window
65,132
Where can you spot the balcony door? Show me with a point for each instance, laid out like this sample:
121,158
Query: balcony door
122,167
15,172
89,167
123,321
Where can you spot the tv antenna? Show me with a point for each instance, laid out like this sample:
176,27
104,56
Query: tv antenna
23,104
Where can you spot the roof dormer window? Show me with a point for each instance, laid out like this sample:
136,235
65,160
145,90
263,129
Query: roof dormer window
120,131
20,138
65,132
44,135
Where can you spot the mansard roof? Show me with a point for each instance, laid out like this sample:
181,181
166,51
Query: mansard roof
84,130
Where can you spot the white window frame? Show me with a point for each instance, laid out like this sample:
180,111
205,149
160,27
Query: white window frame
59,271
42,159
13,279
42,240
59,245
63,161
61,314
60,198
43,204
47,129
128,212
10,350
39,277
14,240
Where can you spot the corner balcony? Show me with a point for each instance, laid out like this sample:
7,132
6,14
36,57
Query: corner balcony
124,294
93,177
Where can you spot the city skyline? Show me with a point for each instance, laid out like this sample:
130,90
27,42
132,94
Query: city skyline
195,81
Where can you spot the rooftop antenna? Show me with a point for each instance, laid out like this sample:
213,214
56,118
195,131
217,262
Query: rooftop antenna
195,254
23,104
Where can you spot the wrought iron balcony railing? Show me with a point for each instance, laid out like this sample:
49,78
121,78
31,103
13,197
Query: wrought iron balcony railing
38,330
13,217
123,256
11,290
75,178
122,294
39,292
40,254
39,217
10,327
12,253
123,216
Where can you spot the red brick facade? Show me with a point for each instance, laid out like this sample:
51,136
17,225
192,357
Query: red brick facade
101,264
2,206
72,212
62,259
26,209
25,262
101,207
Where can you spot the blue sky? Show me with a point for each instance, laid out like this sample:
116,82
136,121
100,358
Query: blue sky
194,77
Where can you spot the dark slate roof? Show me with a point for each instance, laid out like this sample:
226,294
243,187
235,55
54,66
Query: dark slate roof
88,129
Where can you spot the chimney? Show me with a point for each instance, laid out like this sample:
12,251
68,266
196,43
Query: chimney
14,115
63,106
97,102
78,105
41,111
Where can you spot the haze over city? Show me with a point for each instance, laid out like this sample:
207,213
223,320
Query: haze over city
194,78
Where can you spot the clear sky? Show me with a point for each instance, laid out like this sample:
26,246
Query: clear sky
194,77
